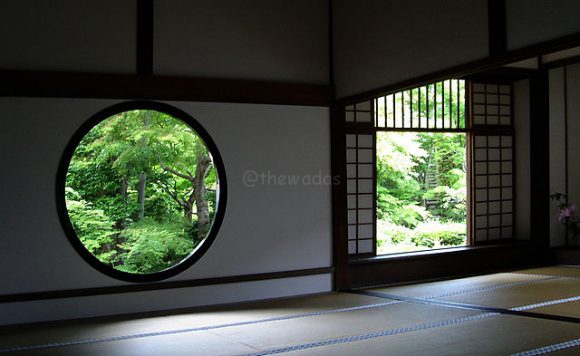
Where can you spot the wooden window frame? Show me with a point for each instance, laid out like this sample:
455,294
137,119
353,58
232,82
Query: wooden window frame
470,129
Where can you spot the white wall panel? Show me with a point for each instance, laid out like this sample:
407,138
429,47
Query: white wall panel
380,42
557,151
69,35
564,126
573,98
267,228
84,307
534,21
257,39
270,226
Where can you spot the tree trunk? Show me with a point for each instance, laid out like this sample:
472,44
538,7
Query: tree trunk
123,191
141,194
123,188
188,205
199,191
143,175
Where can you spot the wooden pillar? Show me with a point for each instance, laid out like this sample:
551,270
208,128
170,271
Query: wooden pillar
540,159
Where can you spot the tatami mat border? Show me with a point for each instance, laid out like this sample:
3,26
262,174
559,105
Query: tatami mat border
394,299
389,332
550,348
186,330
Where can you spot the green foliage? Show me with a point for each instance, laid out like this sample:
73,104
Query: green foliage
451,203
398,187
391,233
434,233
399,212
430,234
448,154
396,162
423,239
151,246
413,168
92,225
139,153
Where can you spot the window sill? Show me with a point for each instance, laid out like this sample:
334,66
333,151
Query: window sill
436,252
444,263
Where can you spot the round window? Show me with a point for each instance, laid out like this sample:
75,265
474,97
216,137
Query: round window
142,191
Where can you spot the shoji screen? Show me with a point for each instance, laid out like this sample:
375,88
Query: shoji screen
492,145
360,173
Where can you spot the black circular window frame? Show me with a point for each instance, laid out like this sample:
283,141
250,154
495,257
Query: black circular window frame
61,182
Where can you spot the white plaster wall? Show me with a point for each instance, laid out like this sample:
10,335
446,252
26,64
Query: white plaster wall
564,124
267,228
573,99
115,304
275,40
68,35
557,151
382,42
534,21
522,158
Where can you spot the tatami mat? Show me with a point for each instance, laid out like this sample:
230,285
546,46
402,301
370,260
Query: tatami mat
199,343
564,309
247,313
463,285
563,271
346,323
289,332
283,333
522,295
504,290
568,352
500,335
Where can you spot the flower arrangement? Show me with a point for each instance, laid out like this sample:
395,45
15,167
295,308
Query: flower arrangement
567,215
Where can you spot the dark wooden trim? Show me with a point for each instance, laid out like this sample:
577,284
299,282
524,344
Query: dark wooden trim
396,129
566,141
566,255
338,170
470,68
359,127
339,205
374,118
488,130
496,12
540,159
145,37
86,292
514,160
122,86
498,242
470,196
453,262
561,62
501,75
330,44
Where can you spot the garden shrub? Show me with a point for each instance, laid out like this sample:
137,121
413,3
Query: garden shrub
423,239
435,233
392,233
451,204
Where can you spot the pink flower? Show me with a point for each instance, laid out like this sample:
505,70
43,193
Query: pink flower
567,213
